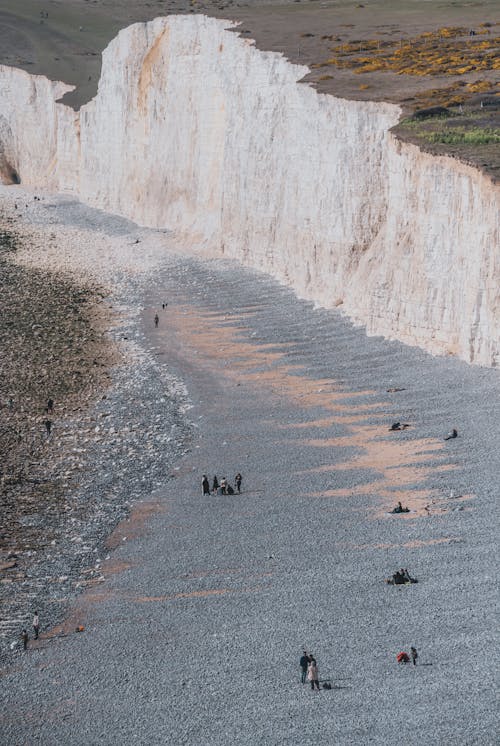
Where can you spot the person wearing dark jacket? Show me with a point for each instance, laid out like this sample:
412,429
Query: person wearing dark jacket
304,662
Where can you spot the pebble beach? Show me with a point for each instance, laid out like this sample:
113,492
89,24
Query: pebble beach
196,609
113,442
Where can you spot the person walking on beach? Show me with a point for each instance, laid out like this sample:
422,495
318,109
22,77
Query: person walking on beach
312,673
215,485
304,663
36,625
205,486
24,638
157,319
50,406
414,655
48,427
237,481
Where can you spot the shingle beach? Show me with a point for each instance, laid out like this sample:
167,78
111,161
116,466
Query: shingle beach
196,609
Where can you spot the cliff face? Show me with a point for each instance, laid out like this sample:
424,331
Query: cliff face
194,129
38,137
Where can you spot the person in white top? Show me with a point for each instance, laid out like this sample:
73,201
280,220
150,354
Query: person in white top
36,625
312,674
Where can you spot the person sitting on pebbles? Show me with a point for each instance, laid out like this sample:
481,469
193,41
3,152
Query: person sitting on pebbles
401,577
397,579
407,577
399,509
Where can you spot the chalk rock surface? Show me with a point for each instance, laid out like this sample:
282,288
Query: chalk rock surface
196,130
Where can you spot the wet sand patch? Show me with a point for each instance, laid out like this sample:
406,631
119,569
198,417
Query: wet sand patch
136,524
187,594
414,544
395,460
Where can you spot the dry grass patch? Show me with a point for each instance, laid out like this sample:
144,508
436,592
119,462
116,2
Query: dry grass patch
447,51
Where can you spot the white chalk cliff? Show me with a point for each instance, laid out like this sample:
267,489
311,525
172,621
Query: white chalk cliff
196,130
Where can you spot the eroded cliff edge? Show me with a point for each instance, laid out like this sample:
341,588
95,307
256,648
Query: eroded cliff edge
194,129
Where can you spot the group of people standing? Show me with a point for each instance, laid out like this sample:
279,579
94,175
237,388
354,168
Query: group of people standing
309,670
220,488
309,667
163,305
